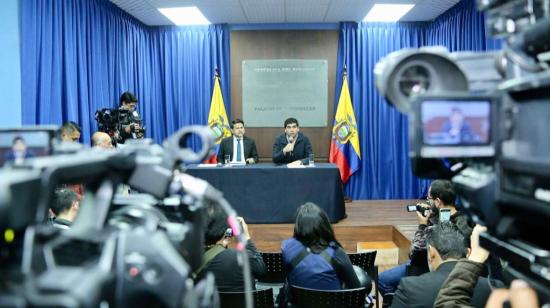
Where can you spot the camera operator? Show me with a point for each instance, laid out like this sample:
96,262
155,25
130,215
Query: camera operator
132,129
222,261
441,195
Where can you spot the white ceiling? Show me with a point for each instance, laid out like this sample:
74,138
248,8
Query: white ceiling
279,11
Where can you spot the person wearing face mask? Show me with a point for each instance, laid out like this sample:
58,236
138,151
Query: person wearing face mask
239,147
291,147
441,195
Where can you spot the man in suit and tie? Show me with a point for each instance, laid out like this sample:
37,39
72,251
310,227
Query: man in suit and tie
446,246
239,147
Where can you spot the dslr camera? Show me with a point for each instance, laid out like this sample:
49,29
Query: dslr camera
481,120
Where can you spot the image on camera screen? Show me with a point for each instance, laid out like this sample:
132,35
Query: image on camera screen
17,146
451,122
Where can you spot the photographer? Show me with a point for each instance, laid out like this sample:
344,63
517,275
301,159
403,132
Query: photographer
130,126
222,261
441,195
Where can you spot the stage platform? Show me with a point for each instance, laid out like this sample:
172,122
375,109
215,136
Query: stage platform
369,223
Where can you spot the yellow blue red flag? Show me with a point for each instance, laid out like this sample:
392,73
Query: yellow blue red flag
217,117
344,147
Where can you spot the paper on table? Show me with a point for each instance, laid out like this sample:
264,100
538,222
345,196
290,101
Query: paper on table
206,165
295,166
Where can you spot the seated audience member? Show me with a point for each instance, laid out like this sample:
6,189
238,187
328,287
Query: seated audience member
446,246
102,140
239,147
222,261
70,132
441,194
457,290
291,147
313,257
65,206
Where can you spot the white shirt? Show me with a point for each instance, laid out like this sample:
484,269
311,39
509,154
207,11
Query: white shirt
234,158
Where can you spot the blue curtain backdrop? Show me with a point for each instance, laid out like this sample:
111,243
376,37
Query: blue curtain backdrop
386,171
79,56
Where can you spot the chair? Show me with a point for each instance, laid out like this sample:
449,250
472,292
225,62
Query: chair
262,299
276,273
365,260
310,298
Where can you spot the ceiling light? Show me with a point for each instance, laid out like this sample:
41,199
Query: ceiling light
387,12
185,15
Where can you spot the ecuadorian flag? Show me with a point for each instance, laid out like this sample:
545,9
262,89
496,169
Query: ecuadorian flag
344,147
217,118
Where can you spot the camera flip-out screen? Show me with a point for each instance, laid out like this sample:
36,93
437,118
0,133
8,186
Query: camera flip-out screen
454,126
17,145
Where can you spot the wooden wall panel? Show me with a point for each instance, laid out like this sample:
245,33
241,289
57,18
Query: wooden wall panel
286,44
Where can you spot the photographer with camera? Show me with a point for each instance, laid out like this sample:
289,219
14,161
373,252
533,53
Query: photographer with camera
222,261
441,197
132,129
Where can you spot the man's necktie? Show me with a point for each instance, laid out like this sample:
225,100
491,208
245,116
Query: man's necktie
239,154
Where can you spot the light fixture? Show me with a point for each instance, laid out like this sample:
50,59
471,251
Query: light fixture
185,15
387,12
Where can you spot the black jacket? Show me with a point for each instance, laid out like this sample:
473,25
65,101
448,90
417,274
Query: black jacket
421,291
249,146
227,271
302,149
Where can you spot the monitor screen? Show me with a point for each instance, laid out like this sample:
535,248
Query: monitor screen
456,122
17,146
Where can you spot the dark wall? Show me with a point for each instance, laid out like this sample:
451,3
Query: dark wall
287,44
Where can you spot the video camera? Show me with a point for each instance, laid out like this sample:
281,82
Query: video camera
481,119
122,251
114,122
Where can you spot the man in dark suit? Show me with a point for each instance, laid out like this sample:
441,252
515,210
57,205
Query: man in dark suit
446,246
292,147
18,152
239,147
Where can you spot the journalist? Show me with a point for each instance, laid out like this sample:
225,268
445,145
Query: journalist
223,261
65,206
132,130
446,246
441,195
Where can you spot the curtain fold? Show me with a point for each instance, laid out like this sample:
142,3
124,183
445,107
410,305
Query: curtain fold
79,56
386,171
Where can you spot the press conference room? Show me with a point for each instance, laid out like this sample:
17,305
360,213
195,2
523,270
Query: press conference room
247,153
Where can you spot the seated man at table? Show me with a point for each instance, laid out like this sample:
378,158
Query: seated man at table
291,147
239,147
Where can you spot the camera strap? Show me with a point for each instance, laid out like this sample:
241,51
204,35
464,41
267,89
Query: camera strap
208,256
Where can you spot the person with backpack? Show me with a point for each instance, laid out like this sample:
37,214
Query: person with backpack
313,258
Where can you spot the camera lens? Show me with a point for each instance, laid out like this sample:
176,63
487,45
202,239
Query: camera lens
414,80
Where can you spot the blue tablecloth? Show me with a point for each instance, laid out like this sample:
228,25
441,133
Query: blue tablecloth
268,193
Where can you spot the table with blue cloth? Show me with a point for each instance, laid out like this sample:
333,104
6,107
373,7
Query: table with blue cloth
269,193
